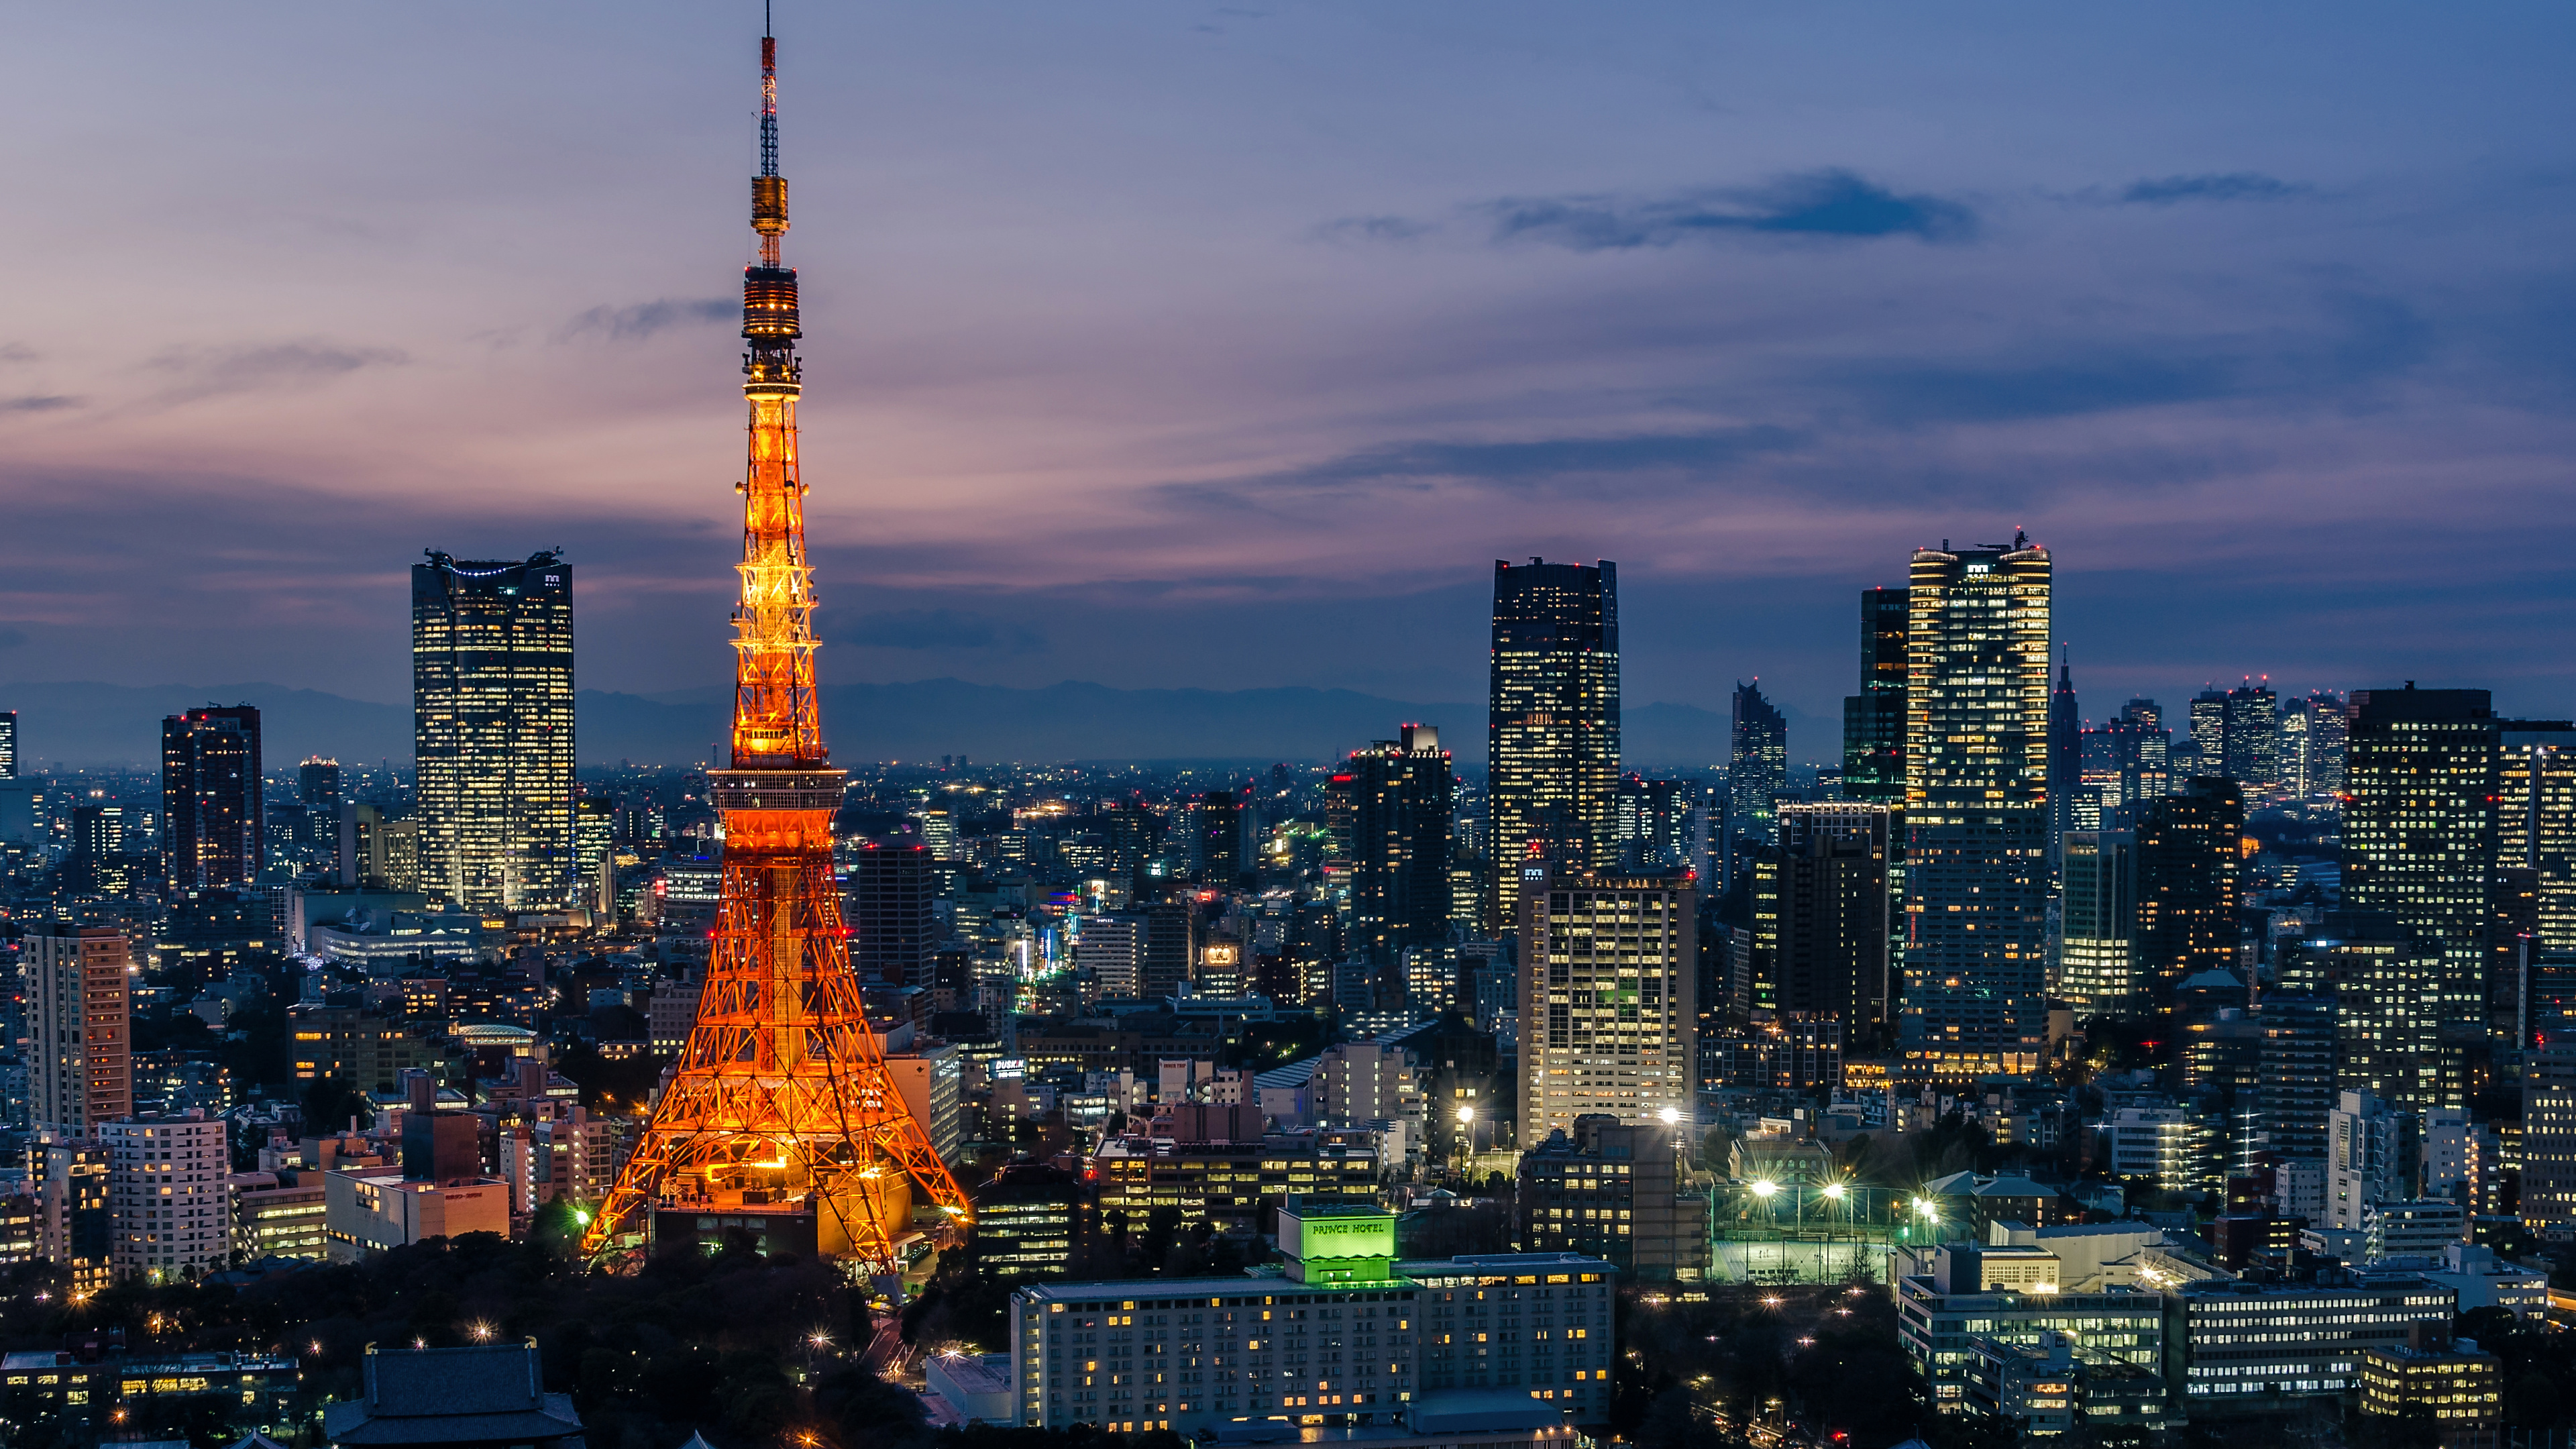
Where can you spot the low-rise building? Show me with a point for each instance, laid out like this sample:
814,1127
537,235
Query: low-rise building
370,1211
2249,1345
2035,1385
2460,1383
1030,1221
273,1219
1607,1190
1228,1185
1939,1312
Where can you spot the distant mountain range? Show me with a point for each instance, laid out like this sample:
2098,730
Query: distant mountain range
105,724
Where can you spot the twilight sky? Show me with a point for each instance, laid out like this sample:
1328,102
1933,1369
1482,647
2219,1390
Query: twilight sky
1224,346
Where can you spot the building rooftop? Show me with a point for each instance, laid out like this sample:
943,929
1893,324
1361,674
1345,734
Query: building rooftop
488,1393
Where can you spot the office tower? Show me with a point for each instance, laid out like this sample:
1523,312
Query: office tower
79,1028
8,744
2253,738
2536,819
894,923
2371,1151
1608,1022
2065,760
213,829
1605,1189
1171,945
168,1188
361,850
1976,803
1401,792
2188,884
492,730
98,831
2311,747
1552,755
2129,758
780,1113
2387,1027
2419,838
1757,765
2097,967
1874,719
1220,824
2208,734
1655,820
1820,905
595,852
317,783
1112,949
2297,1072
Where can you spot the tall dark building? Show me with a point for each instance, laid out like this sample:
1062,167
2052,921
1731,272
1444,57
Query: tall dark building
317,783
1400,844
8,744
2420,834
2298,1072
1552,758
1655,823
896,927
2097,970
2065,759
492,730
1220,838
1170,947
2188,883
1976,806
1820,914
213,831
1874,719
1757,765
2129,759
2536,820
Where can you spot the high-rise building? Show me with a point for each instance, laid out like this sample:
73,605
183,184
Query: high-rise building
2312,745
2208,734
492,730
2188,875
1112,950
1757,765
168,1184
1655,819
2065,760
317,783
2297,1073
1220,824
1976,803
2387,1025
2128,759
1401,794
1874,719
1820,904
2097,964
213,822
79,1028
2253,737
1608,1020
896,925
594,843
8,744
2536,820
1552,757
2419,839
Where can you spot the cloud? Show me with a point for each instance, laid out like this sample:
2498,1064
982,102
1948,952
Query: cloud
635,323
37,403
929,629
1827,203
2227,186
215,371
1372,228
1550,466
16,352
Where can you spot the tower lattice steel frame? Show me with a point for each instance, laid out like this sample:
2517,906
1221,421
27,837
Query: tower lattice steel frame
781,1101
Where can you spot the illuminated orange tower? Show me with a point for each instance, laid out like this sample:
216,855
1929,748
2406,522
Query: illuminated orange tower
781,1106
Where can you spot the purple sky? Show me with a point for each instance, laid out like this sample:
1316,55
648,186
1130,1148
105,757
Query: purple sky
1225,347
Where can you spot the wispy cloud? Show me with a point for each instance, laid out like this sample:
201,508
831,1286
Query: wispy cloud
1832,203
201,372
643,319
2225,186
38,403
930,629
16,352
1373,228
1545,467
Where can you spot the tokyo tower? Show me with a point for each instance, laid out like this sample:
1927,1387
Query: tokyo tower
780,1115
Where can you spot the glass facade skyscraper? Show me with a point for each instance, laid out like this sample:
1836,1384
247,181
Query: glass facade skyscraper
1976,805
1874,719
1552,756
214,821
1401,798
1757,765
492,731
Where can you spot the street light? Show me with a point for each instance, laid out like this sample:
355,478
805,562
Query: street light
1765,1189
1670,1115
1834,1190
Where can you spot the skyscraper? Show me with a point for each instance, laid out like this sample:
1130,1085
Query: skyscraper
1820,904
1220,825
8,744
317,783
1608,1017
2097,969
2127,759
1976,802
1757,765
2419,839
79,1025
2536,819
2253,737
2065,759
2207,742
2188,883
1400,800
492,730
1553,750
894,923
1874,719
2312,745
1655,820
213,823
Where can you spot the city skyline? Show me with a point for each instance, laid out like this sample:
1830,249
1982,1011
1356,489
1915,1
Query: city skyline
2239,355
